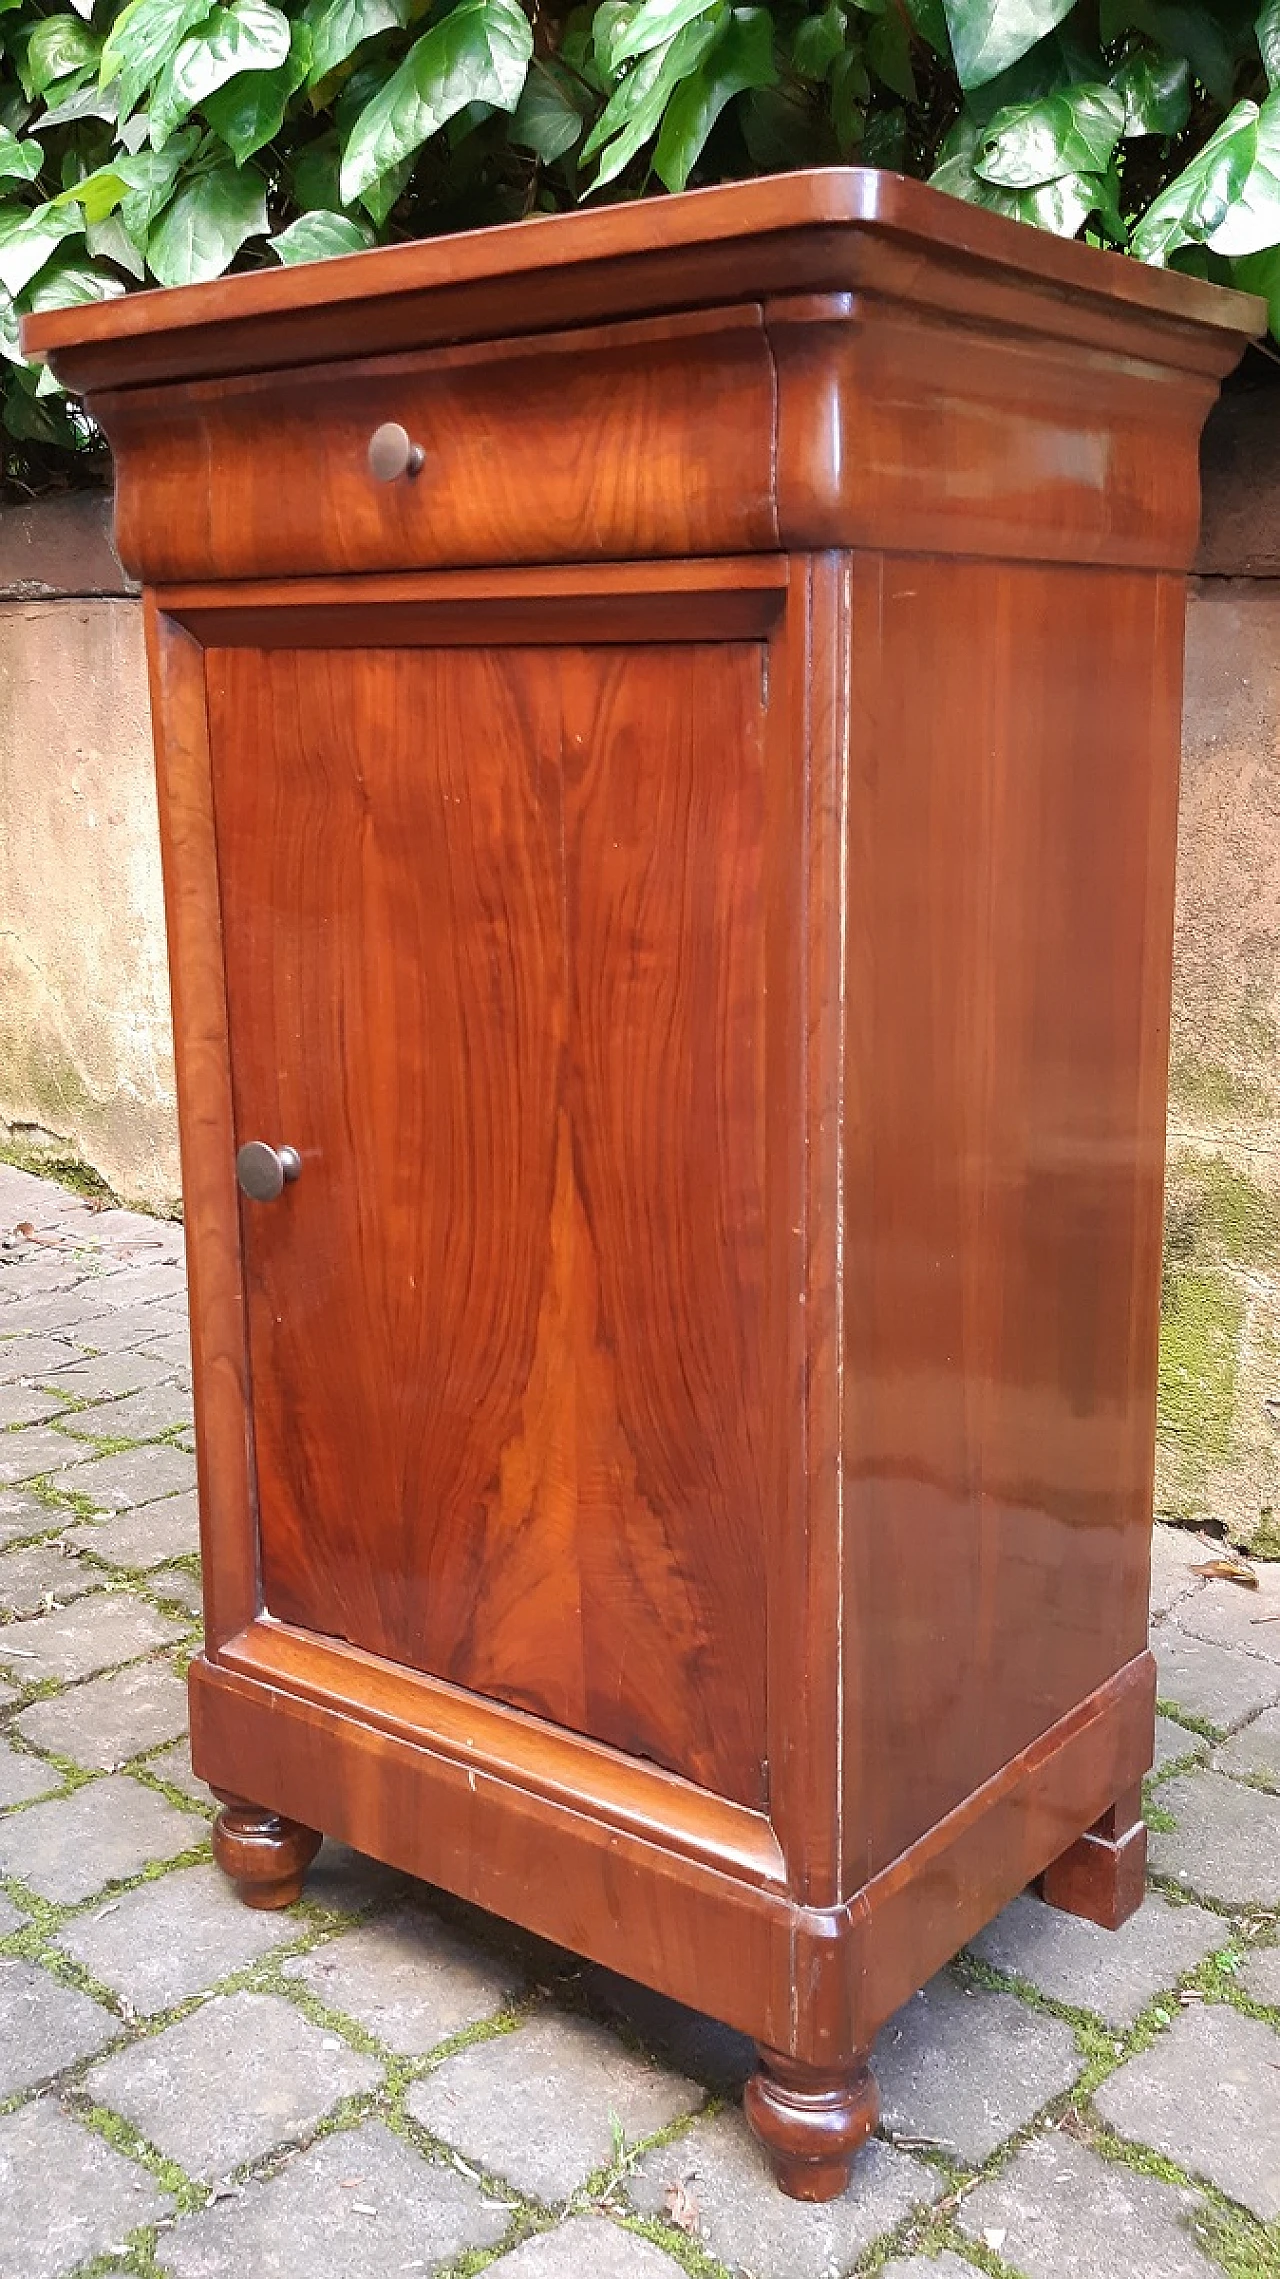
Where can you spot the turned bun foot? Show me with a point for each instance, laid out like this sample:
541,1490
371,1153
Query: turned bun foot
810,2122
1104,1874
265,1856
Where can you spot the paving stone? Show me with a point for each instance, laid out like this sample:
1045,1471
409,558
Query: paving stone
71,1311
1207,2095
965,2067
11,1917
36,1273
132,1476
174,1937
180,1587
172,1351
65,2195
1115,1973
1175,1743
1067,2214
103,1832
35,1450
24,1777
680,2039
1254,1751
587,2247
31,1357
78,1641
174,1766
105,1378
405,1978
240,2075
44,2026
746,2221
1227,1842
26,1404
132,1325
23,1514
359,2205
8,1694
104,1723
1211,1681
40,1571
1227,1615
142,1415
1261,1976
147,1535
538,2106
944,2266
349,1883
133,1286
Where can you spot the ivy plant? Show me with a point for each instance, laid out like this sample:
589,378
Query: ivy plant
157,142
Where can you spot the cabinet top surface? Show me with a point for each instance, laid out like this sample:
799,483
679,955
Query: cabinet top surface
798,233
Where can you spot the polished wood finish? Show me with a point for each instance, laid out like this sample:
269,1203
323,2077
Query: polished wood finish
691,874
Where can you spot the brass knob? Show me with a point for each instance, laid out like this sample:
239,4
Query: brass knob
263,1171
393,453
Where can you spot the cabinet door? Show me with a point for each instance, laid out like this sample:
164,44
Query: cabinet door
494,945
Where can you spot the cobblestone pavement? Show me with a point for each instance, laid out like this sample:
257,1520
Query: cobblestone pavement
381,2081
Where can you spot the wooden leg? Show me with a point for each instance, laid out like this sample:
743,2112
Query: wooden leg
810,2122
1104,1874
265,1856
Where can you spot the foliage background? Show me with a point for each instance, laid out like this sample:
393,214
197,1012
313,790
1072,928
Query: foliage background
163,141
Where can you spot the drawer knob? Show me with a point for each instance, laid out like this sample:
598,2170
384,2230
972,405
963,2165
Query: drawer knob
263,1171
393,453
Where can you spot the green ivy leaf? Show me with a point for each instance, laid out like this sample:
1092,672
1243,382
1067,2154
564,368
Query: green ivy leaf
548,117
19,161
652,25
69,282
1268,32
1198,202
339,27
110,241
817,41
1252,221
889,54
91,102
249,111
29,236
988,35
1072,133
102,191
315,174
742,58
320,236
250,35
1156,92
154,177
634,111
211,217
1260,273
930,20
140,42
1062,206
479,54
384,194
59,46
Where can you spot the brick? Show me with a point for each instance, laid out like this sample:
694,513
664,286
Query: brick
35,1358
21,1777
1209,1681
1206,2096
749,2224
146,1536
965,2067
1227,1615
132,1476
587,2247
1067,2214
359,2205
1115,1973
34,1450
1175,1743
44,2025
104,1723
65,2196
38,1572
78,1641
22,1514
143,1415
109,1830
1254,1751
174,1937
538,2106
26,1404
1261,1976
106,1378
238,2077
1227,1842
406,1979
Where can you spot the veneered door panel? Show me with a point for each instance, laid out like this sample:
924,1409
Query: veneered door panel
494,944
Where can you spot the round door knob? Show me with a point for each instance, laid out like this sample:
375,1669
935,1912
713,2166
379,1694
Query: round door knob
264,1171
393,453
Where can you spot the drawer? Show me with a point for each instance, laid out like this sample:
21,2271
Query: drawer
623,441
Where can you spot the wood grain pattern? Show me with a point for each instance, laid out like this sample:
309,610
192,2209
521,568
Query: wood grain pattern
510,1017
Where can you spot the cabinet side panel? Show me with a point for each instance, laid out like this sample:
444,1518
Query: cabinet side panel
1013,817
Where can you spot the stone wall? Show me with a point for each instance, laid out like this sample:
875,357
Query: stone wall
85,1057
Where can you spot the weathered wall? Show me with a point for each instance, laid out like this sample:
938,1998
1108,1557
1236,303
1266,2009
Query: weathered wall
86,1061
